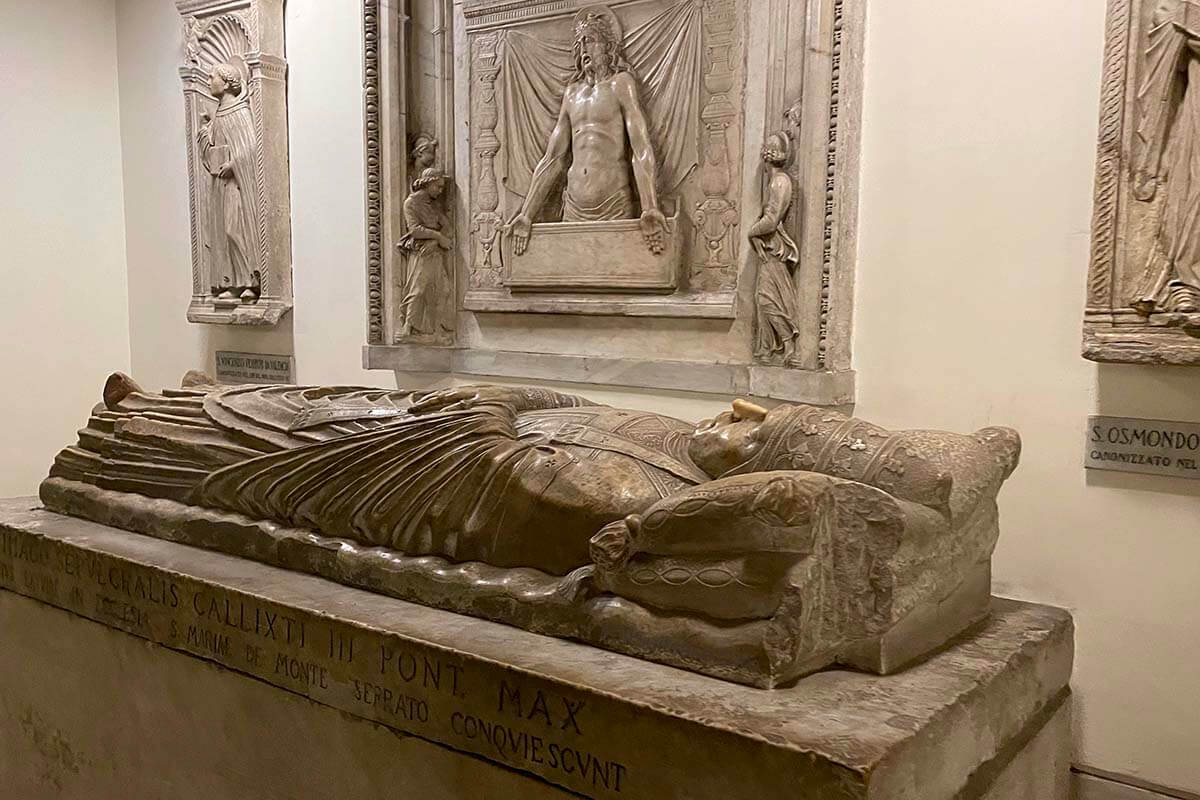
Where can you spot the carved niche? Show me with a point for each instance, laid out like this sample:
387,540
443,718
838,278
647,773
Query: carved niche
605,160
237,149
1143,294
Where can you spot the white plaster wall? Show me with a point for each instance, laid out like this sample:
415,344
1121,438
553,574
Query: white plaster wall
62,264
980,122
980,127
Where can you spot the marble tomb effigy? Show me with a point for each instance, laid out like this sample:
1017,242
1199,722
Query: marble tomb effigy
756,547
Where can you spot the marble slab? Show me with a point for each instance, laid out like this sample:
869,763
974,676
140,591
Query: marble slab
830,389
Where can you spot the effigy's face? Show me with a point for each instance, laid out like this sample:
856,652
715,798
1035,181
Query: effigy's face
726,441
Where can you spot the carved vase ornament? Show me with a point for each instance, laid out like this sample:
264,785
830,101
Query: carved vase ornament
233,80
757,546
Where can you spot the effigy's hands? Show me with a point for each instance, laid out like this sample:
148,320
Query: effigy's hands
461,398
520,229
654,230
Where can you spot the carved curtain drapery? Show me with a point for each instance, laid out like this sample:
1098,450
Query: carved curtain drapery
664,53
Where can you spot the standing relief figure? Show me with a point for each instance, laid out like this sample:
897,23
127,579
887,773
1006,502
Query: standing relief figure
602,131
776,305
227,152
1167,158
427,277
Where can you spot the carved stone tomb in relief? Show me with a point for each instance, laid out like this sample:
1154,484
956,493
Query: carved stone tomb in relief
603,161
757,547
1144,284
234,92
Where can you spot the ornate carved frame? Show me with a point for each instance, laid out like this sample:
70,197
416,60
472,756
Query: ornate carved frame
813,63
262,21
1112,330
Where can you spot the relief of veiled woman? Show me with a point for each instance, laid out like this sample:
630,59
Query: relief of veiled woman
776,305
227,150
424,243
1167,158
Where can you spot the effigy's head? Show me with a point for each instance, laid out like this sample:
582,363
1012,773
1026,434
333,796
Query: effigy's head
597,46
224,79
728,440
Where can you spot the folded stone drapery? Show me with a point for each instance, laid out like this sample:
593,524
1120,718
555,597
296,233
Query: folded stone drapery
664,52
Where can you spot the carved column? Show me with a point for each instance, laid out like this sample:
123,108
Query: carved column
717,213
486,222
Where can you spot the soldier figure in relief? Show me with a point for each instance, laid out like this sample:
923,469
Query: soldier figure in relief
602,127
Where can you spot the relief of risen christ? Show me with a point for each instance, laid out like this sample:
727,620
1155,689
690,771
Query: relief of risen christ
601,131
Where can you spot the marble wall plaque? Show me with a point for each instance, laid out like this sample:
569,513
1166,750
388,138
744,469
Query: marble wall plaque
1150,446
1143,291
235,110
254,368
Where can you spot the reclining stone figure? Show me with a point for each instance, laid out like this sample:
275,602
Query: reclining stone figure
758,546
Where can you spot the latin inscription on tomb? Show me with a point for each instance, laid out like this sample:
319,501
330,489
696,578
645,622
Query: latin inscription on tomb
511,718
1154,447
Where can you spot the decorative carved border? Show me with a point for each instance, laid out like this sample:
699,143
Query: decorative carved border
483,13
1108,157
831,182
260,174
193,206
374,168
